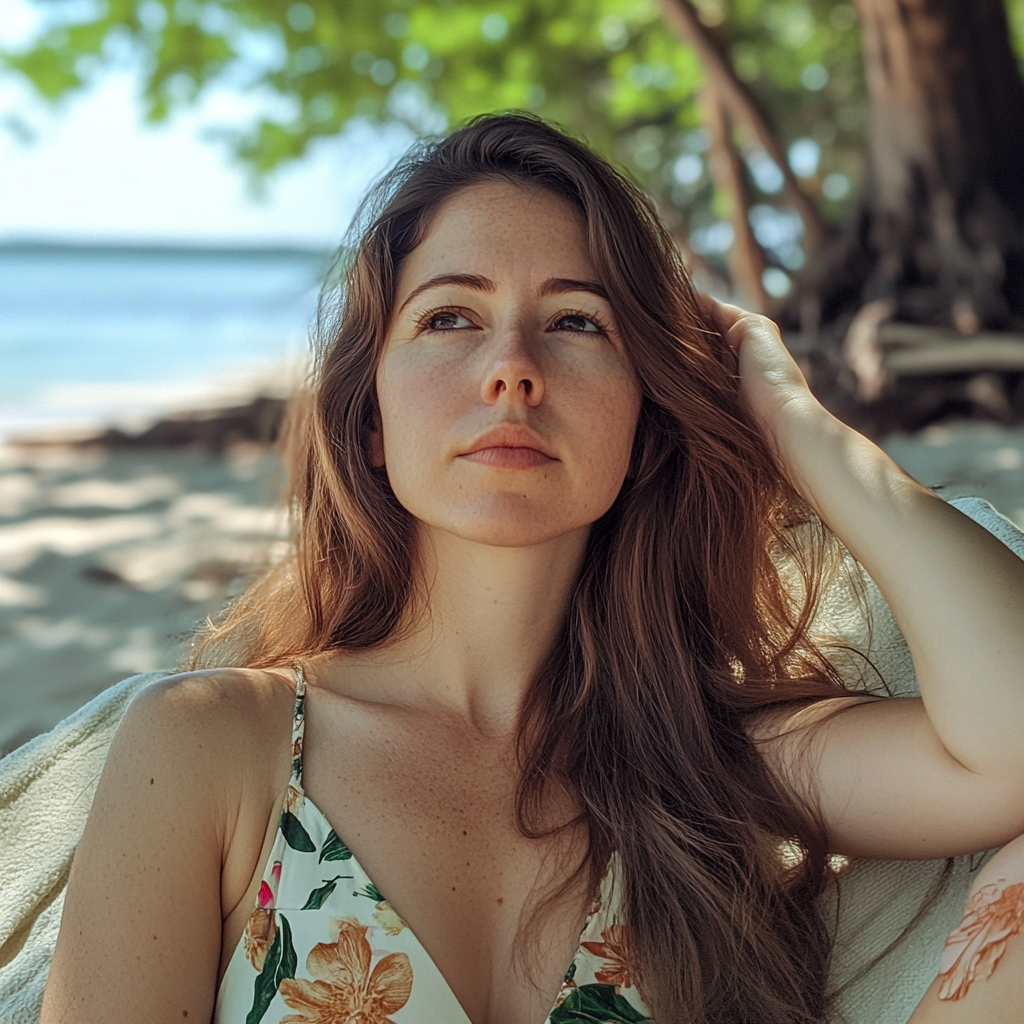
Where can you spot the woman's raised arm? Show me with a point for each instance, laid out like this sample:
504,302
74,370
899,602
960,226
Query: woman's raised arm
141,931
902,778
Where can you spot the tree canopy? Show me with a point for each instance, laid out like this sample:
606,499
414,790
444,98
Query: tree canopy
611,70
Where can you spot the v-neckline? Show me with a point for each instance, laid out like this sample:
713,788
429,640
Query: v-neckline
597,903
598,900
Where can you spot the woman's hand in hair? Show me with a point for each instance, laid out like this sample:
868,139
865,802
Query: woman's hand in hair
934,777
771,382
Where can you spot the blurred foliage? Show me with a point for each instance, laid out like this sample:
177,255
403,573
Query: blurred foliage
610,69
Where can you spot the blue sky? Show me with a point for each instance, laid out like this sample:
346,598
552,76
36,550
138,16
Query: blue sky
96,171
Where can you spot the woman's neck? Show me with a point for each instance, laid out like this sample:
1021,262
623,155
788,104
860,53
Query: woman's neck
482,621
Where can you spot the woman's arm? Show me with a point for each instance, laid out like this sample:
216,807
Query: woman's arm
946,772
956,591
141,931
981,974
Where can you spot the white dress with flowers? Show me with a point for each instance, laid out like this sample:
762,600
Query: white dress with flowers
322,945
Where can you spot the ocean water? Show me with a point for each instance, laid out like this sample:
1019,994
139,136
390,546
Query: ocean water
91,335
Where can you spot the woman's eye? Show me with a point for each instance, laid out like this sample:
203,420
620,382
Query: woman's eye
447,320
578,323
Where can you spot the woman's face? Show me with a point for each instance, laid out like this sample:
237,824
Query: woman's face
507,402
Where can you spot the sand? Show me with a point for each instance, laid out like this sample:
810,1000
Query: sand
109,559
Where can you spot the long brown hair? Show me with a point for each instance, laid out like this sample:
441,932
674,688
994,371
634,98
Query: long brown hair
690,613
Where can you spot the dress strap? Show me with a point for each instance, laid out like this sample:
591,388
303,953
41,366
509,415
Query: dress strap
298,727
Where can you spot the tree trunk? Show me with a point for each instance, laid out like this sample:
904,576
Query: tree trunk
940,231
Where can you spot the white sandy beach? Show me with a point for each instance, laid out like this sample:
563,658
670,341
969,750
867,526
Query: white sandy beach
107,560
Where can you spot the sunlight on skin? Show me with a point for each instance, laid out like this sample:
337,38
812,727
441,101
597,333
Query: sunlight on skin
981,974
508,407
488,333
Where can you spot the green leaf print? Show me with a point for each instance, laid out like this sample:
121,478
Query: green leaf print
334,849
317,897
371,892
266,981
289,960
295,835
596,1004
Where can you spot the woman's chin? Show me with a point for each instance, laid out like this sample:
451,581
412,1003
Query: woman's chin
505,531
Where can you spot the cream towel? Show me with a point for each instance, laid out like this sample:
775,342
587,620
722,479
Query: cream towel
46,789
876,900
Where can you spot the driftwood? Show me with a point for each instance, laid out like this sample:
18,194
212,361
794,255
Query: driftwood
912,350
895,375
214,431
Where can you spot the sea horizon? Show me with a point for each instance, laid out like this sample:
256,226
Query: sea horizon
117,332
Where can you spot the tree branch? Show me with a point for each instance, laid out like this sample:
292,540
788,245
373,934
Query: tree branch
743,109
746,261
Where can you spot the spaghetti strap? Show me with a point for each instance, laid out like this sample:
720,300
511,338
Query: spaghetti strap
298,728
317,911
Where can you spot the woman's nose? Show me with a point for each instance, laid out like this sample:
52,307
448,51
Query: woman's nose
513,371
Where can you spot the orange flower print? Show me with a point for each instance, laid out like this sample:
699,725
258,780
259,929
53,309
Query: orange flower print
344,989
567,986
386,917
261,927
994,914
613,950
293,799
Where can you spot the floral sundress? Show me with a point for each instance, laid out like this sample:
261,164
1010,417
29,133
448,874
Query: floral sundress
323,946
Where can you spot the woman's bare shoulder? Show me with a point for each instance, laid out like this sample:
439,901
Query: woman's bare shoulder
188,774
225,701
208,687
230,720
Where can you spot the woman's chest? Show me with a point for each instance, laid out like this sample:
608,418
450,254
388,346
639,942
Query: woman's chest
414,839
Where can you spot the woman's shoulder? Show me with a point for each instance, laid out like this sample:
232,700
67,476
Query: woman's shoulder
228,721
178,818
237,699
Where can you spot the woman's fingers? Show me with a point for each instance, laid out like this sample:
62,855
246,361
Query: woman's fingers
721,314
770,378
733,321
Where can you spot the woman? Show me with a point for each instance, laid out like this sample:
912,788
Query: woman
558,545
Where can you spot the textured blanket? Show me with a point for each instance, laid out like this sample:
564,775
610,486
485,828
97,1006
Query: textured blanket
47,785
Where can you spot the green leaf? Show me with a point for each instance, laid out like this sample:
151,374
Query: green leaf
265,987
317,897
295,835
596,1004
289,960
334,849
370,892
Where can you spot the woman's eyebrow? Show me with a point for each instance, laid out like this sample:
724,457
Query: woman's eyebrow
552,286
561,285
473,281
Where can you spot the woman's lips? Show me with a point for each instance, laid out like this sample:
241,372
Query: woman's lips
506,457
